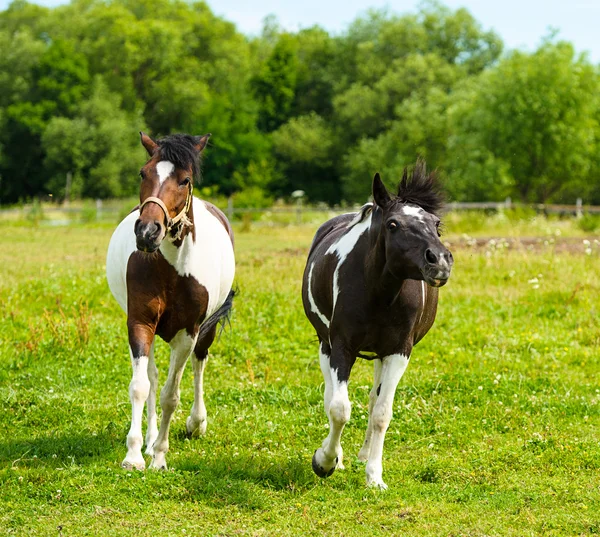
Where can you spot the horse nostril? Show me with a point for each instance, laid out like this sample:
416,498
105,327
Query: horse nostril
430,257
156,227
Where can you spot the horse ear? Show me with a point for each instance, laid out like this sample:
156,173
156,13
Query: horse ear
380,194
201,142
148,143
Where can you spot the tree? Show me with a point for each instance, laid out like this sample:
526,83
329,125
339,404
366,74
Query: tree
532,121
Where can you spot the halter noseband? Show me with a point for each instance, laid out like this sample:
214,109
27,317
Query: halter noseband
171,222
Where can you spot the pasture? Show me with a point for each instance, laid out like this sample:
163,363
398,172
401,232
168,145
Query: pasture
496,428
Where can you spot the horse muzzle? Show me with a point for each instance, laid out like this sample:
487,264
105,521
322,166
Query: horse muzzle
437,268
148,235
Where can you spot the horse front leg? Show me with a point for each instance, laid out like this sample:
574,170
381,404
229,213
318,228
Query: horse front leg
181,348
336,364
392,369
364,452
152,431
141,339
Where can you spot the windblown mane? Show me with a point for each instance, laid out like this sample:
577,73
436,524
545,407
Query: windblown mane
421,189
180,149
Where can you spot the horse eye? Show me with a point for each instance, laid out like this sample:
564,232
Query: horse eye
185,182
392,226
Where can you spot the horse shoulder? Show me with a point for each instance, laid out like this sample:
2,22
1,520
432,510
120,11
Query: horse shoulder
120,248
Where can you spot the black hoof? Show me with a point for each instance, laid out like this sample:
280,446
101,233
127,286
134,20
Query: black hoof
320,471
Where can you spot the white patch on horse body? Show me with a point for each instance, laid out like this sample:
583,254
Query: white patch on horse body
413,210
423,296
209,259
360,215
393,367
121,246
311,300
164,168
342,247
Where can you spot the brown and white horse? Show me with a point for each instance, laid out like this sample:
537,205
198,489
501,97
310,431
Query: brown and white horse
170,266
370,291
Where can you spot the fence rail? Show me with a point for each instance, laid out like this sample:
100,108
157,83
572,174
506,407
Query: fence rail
103,211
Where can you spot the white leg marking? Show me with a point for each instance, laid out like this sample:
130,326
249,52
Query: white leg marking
164,168
364,452
393,368
330,453
196,422
139,387
311,300
152,431
181,348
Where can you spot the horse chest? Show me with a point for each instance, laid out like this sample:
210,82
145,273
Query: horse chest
158,295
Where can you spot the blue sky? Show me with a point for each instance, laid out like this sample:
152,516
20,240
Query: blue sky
520,23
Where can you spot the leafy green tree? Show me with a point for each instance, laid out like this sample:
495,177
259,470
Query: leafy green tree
532,119
274,86
99,147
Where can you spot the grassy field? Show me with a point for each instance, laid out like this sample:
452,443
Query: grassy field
496,423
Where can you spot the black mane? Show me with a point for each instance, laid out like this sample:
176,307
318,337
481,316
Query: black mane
180,149
422,189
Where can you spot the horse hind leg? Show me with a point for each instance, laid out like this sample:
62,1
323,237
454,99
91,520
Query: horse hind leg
181,348
196,422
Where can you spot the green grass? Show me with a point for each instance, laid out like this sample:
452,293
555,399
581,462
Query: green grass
496,423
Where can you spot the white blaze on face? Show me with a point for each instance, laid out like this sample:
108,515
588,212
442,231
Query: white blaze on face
164,168
412,210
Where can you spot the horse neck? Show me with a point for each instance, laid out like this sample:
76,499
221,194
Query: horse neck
381,283
178,250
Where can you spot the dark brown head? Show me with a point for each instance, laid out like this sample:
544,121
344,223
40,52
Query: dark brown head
409,227
166,189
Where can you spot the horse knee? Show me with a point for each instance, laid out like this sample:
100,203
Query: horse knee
339,410
169,401
382,415
139,388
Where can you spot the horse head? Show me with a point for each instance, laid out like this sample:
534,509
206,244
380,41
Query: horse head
166,190
409,227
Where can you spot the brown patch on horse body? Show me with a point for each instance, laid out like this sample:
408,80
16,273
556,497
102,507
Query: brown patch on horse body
155,297
220,216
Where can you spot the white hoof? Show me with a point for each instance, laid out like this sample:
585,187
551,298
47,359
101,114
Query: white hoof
195,428
134,464
376,484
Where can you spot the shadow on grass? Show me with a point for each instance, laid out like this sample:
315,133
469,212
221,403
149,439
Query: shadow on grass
250,482
57,449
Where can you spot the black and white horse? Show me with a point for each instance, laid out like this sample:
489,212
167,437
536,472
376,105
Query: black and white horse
370,291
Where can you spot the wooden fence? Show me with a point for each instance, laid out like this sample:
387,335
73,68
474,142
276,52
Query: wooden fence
105,211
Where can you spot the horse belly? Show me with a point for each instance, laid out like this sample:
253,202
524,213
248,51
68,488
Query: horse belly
120,248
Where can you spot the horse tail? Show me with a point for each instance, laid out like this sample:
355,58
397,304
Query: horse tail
222,316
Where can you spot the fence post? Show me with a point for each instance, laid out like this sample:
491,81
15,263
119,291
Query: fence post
507,203
579,208
98,209
230,208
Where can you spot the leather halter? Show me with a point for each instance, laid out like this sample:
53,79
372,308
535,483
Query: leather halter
170,222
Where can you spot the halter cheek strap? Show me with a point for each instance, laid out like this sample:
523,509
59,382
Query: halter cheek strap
171,222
